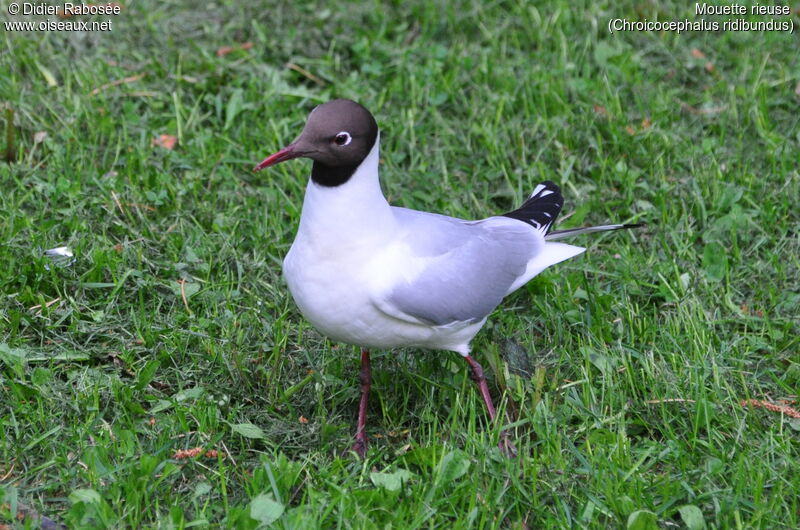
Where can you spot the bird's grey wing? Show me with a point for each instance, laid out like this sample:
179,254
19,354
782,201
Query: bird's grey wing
462,270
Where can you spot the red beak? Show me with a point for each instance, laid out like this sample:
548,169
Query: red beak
287,153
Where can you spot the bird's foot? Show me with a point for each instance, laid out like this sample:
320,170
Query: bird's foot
506,446
360,447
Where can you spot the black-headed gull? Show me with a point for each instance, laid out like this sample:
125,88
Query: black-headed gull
379,276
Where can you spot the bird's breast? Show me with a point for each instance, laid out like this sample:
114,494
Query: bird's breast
336,292
331,290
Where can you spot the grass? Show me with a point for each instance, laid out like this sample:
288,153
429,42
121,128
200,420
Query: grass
622,371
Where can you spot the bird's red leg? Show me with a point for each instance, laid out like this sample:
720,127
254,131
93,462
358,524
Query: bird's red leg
477,375
360,447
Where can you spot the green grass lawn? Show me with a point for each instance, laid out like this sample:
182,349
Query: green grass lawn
622,372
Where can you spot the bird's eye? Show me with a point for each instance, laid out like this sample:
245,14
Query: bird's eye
343,138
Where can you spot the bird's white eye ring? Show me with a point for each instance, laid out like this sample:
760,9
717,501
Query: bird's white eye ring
343,138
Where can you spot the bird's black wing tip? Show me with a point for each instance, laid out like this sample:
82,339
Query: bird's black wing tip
541,208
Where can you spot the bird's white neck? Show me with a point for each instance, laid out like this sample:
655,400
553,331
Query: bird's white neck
355,211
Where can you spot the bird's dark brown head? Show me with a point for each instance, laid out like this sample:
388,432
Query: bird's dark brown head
338,136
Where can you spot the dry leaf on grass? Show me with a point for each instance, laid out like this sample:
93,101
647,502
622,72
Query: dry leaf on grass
167,141
305,73
786,410
601,111
669,400
697,54
130,79
225,50
703,111
183,454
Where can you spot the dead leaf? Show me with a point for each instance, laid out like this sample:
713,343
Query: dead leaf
630,130
225,50
47,304
403,450
697,54
130,79
305,73
786,410
183,454
167,141
646,123
116,201
182,283
705,111
5,477
601,111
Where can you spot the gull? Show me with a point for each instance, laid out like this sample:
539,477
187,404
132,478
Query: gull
378,276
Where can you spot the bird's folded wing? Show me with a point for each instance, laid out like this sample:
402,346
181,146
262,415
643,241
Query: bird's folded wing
461,285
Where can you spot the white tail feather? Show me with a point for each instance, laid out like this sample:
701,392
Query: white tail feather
551,254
